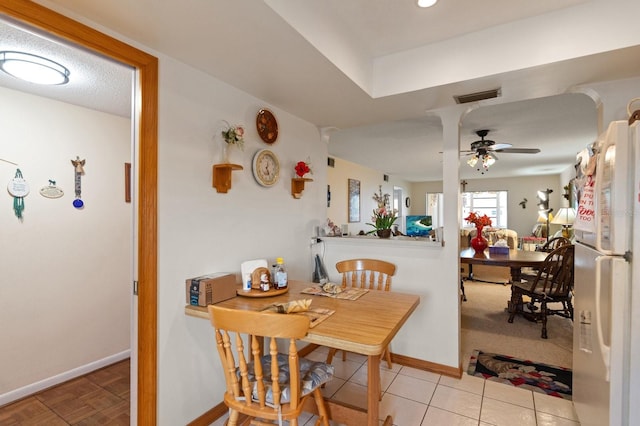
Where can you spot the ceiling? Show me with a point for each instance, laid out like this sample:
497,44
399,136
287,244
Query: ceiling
377,73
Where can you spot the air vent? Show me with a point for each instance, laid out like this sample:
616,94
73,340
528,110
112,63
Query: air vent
331,162
386,178
478,96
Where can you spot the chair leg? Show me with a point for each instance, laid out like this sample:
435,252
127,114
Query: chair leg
543,314
464,296
387,357
233,417
323,416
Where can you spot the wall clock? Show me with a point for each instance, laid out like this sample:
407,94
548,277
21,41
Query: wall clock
266,167
267,126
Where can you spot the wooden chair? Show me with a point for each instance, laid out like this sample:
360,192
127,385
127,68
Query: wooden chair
553,283
372,274
267,388
554,243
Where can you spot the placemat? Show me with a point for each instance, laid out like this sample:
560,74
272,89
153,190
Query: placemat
347,293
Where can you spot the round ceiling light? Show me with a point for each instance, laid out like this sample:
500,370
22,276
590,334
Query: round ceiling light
426,3
32,68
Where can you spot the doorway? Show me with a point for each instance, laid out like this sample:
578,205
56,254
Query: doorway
144,178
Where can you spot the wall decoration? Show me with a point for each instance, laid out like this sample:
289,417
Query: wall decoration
127,182
18,188
51,190
267,126
78,166
354,200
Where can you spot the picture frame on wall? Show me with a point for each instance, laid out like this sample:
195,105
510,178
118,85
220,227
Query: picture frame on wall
354,200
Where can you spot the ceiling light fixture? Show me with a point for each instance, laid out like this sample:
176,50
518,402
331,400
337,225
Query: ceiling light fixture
482,159
426,3
33,68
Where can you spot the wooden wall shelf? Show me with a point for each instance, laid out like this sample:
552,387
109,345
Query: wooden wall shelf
222,176
297,186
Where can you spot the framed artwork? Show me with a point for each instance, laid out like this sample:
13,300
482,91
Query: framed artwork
354,200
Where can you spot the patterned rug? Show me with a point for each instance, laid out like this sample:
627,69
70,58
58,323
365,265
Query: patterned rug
554,381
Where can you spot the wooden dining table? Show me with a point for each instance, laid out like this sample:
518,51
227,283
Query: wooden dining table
514,259
365,326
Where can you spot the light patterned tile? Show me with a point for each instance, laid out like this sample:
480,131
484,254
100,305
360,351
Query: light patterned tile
420,374
466,383
555,406
351,393
545,419
331,387
457,401
508,393
504,414
412,388
361,377
344,369
402,410
437,417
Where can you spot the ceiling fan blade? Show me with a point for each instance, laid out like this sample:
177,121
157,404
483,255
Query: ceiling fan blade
500,146
519,150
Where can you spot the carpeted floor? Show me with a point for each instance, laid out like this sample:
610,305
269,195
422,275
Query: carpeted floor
485,327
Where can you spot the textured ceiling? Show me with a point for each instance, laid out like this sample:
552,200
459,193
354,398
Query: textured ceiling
317,60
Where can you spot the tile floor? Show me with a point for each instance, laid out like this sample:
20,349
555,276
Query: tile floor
419,398
98,398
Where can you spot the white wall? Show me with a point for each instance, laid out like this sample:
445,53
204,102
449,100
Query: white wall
519,219
370,179
201,231
65,274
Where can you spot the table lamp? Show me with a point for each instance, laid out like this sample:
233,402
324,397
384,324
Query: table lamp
565,217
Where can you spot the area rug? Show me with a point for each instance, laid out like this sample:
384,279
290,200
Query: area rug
554,381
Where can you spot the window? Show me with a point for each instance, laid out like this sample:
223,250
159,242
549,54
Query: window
491,203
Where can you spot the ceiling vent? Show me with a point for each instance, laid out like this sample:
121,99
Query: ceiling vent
478,96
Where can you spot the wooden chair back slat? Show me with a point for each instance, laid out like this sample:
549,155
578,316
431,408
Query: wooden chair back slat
239,330
371,274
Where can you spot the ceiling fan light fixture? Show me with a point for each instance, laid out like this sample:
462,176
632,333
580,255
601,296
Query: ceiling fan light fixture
426,3
33,68
473,160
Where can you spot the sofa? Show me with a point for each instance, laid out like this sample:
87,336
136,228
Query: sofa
494,274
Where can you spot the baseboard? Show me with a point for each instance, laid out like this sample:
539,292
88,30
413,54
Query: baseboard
427,365
220,410
14,395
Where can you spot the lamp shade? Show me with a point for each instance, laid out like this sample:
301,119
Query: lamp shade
565,216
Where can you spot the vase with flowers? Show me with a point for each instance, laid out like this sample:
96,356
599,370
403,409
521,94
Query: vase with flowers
233,136
479,243
383,216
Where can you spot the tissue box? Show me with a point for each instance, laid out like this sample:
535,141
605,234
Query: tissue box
498,250
209,289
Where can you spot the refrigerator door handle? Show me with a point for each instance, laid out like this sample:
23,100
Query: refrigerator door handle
605,350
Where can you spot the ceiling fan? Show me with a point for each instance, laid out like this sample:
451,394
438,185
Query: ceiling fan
483,151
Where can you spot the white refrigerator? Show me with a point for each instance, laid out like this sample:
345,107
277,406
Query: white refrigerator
606,355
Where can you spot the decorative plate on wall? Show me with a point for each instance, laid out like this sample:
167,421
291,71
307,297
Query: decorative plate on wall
267,126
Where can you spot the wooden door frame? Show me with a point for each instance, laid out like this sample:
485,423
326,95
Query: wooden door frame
146,115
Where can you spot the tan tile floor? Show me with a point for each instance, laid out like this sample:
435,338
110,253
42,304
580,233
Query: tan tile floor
99,398
413,397
419,398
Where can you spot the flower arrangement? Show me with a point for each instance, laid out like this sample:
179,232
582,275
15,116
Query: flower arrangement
383,216
478,220
234,135
302,168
